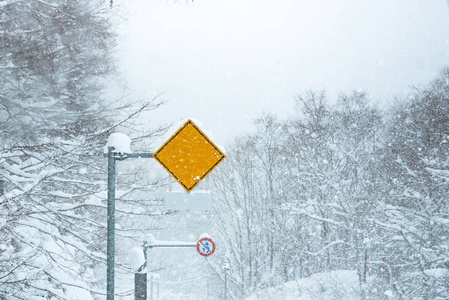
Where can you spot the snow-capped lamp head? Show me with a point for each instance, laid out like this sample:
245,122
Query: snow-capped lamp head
120,142
136,260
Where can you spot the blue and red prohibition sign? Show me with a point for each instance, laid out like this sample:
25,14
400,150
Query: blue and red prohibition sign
205,247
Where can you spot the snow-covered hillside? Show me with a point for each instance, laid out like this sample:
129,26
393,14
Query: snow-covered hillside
340,284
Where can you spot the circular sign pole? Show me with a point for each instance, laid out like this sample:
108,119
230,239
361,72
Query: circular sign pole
205,246
111,225
110,257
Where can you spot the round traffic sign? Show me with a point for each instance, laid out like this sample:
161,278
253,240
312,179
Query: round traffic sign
205,246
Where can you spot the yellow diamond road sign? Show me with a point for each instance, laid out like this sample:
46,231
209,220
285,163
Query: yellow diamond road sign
189,156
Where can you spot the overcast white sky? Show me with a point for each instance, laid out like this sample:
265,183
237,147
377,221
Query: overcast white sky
224,62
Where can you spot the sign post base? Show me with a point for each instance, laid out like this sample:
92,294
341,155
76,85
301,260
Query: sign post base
140,284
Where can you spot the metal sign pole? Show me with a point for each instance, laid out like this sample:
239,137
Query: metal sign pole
140,286
112,157
140,282
151,286
111,225
365,254
207,288
226,284
226,269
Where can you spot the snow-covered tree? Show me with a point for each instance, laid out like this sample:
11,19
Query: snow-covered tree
415,177
298,197
250,188
332,151
54,122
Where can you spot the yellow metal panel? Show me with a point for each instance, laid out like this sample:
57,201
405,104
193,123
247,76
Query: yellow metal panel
189,156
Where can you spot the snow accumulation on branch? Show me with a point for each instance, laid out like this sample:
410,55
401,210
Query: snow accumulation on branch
438,172
46,3
327,247
318,218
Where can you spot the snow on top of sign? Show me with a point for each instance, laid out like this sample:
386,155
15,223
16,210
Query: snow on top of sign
176,126
222,148
204,235
121,143
172,243
136,258
152,241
